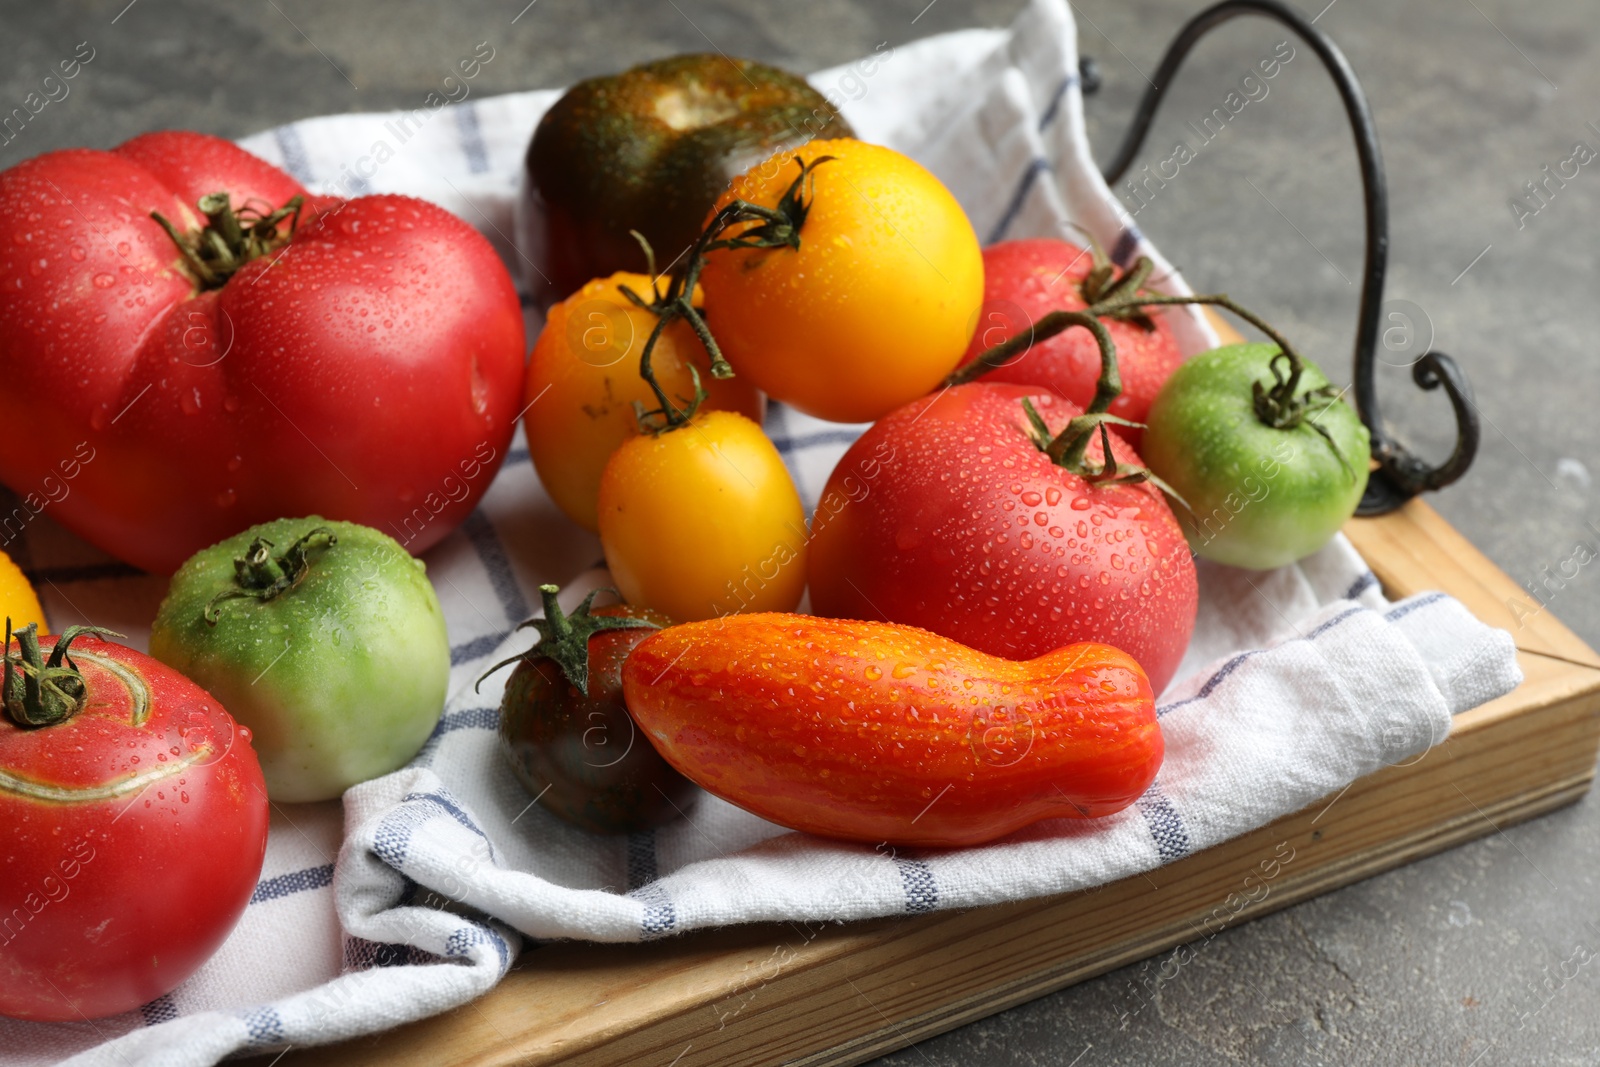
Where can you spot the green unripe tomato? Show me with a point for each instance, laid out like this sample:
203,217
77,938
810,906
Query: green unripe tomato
1258,496
324,638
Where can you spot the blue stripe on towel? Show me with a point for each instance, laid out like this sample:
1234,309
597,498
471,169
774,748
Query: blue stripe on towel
477,648
641,859
1166,825
1361,585
1029,175
1234,663
471,137
1412,605
264,1025
1126,245
1054,106
160,1010
285,885
493,556
922,890
295,160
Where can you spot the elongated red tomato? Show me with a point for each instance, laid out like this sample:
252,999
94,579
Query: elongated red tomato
881,733
131,836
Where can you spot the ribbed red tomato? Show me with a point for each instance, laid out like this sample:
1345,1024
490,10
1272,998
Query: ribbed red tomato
1025,280
367,368
872,732
969,529
131,835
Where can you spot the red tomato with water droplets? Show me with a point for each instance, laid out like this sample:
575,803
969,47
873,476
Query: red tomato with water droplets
1025,280
368,369
966,528
879,733
131,838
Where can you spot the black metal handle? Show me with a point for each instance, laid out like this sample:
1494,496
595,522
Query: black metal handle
1400,475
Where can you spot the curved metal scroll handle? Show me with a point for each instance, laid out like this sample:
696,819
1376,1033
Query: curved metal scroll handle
1400,475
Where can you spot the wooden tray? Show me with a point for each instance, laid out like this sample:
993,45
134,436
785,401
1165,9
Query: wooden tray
843,994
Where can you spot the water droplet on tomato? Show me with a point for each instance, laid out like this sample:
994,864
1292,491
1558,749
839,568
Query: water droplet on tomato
104,280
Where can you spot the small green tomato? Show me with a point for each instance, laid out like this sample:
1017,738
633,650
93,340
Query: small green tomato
325,638
1258,495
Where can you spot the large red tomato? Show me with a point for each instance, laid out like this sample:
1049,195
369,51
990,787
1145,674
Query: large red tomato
131,837
369,368
1025,280
960,524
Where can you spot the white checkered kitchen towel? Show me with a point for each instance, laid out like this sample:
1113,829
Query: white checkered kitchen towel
1297,682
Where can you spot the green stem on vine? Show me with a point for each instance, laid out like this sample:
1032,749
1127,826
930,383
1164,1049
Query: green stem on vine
564,639
778,227
1277,406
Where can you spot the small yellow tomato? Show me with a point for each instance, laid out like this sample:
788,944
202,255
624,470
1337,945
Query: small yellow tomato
877,304
583,378
18,601
703,520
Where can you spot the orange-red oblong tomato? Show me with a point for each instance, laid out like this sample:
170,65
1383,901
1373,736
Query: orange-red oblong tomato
882,733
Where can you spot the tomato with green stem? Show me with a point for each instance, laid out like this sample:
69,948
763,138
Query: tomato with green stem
1263,489
868,296
133,824
1012,521
566,730
1026,279
583,381
698,515
324,637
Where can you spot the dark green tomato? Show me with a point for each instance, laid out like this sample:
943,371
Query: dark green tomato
1258,496
651,149
582,756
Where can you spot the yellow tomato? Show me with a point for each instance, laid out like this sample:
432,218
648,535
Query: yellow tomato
877,304
703,521
17,598
583,378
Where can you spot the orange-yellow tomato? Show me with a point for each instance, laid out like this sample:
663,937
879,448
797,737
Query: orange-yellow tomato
703,521
583,378
877,304
18,601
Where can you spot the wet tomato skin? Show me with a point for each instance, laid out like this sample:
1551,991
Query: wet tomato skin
875,732
583,379
128,848
1027,279
972,532
580,754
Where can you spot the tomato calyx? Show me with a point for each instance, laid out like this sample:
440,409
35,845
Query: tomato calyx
564,639
232,238
775,227
1102,286
38,692
259,575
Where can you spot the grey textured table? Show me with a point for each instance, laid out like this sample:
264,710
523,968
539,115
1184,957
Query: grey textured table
1468,957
